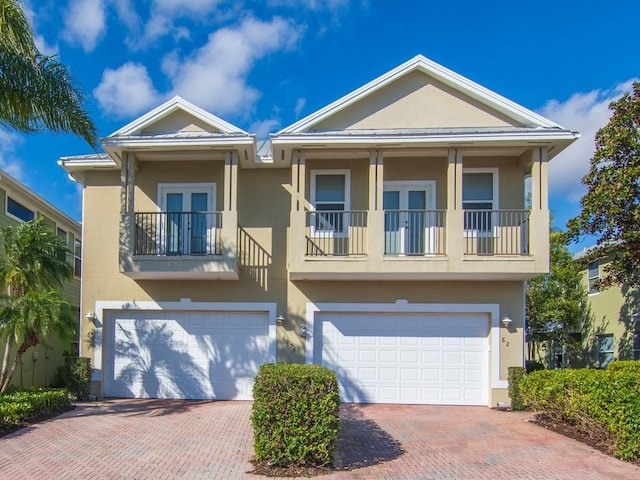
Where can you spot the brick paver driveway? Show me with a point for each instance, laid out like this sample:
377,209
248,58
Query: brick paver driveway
148,439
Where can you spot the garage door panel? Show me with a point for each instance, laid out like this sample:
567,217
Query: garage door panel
184,355
418,358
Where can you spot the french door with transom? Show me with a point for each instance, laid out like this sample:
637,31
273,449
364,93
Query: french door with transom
188,218
409,217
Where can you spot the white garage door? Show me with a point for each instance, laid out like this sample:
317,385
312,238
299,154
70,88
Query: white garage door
196,355
406,358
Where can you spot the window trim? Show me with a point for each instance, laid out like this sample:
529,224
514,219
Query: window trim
21,203
77,258
591,291
495,201
164,188
635,352
347,201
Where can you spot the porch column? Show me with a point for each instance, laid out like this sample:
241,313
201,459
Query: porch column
297,229
455,215
127,217
539,215
375,214
229,233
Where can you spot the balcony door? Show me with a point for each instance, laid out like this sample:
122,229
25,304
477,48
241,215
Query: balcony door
188,219
409,217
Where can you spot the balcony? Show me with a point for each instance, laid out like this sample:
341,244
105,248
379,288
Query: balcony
183,245
417,244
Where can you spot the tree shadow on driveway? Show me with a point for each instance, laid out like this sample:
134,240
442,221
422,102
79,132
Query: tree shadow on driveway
362,443
151,407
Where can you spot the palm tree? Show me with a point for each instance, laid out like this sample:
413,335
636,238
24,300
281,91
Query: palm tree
33,267
37,91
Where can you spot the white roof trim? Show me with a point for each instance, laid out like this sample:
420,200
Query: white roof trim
176,103
440,73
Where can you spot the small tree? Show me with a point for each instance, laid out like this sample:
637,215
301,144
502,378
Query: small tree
556,303
611,206
33,267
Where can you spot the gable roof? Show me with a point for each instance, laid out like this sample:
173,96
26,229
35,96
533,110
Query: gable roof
171,106
442,74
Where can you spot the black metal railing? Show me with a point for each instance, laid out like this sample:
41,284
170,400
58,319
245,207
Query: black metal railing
336,233
496,232
414,232
177,233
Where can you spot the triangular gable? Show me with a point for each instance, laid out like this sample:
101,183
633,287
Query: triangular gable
177,115
418,85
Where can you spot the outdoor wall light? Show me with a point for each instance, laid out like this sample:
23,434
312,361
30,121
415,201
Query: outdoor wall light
92,317
506,321
280,320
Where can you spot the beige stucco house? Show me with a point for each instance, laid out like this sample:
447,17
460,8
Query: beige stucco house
385,236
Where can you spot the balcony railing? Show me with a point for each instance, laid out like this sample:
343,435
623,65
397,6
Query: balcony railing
177,233
414,232
496,232
336,233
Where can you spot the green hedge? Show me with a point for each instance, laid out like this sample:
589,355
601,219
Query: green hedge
29,403
78,376
515,375
295,415
631,366
605,401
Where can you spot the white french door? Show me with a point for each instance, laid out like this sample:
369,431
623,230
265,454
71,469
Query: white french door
189,220
409,217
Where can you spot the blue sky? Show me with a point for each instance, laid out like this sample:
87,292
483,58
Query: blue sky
264,64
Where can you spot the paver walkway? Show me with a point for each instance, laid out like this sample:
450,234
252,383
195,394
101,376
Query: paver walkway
159,439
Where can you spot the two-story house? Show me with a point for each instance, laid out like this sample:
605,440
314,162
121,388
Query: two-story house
384,236
612,331
39,365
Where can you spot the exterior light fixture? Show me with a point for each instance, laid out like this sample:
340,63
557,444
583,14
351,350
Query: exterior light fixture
280,320
506,320
92,317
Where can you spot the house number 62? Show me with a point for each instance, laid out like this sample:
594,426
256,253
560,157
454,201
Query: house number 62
505,341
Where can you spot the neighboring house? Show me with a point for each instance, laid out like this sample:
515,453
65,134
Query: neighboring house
613,330
385,236
39,365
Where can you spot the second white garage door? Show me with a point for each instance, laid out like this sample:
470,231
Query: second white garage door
406,358
196,355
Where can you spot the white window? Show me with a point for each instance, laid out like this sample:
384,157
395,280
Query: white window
479,193
187,219
605,350
18,211
593,276
77,257
330,195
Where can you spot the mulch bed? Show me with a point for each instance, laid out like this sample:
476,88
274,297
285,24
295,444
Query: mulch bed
14,427
263,468
597,440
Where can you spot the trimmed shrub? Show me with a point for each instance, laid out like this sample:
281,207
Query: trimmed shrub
533,366
78,376
631,366
25,404
295,415
515,375
599,403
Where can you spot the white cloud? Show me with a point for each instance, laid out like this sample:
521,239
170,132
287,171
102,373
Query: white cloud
262,128
300,104
39,40
587,113
215,76
8,162
126,91
85,22
309,4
